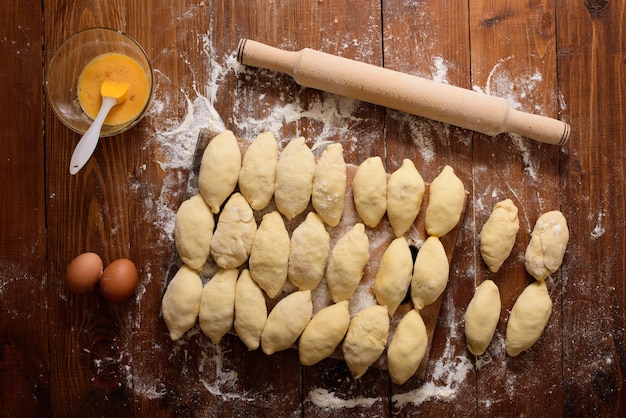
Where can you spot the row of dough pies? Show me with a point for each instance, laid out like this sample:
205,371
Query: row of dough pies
235,295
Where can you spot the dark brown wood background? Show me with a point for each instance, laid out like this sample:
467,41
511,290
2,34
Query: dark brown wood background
65,355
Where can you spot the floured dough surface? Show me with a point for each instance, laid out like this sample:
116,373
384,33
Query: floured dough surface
497,236
181,302
294,178
547,246
234,234
329,185
269,256
310,244
217,305
347,263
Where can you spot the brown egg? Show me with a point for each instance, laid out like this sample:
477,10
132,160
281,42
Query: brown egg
119,280
83,273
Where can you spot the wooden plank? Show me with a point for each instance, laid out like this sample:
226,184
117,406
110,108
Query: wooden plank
592,71
23,279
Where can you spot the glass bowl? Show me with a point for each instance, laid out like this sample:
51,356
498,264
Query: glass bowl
69,61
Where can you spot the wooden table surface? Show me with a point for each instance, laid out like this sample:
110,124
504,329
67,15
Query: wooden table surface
67,355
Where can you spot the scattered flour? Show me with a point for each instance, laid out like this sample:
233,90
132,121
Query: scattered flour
599,229
323,398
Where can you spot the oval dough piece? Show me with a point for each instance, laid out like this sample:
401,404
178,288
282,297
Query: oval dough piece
181,302
217,306
286,322
405,192
445,203
394,274
219,169
481,317
347,262
258,171
234,234
308,253
269,256
369,189
294,178
329,185
366,339
193,231
430,273
548,242
407,348
528,318
250,311
324,333
497,237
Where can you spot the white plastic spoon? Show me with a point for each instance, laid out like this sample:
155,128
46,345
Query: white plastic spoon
112,94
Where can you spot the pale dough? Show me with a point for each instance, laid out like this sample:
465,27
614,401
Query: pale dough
308,253
481,317
181,302
430,273
219,169
193,231
269,256
446,199
366,339
217,306
324,333
347,263
250,311
286,322
497,237
405,191
258,171
528,318
407,349
369,189
294,178
234,234
329,185
548,242
394,274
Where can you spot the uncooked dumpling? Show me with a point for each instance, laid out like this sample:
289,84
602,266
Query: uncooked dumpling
294,178
324,333
234,234
497,237
269,256
329,185
181,302
430,274
394,274
366,339
369,189
347,263
407,348
193,231
548,242
481,317
217,306
286,322
405,192
258,171
219,169
250,311
445,203
308,253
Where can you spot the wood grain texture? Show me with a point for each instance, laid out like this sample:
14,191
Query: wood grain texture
69,355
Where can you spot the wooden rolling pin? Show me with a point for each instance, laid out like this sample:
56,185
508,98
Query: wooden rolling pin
419,96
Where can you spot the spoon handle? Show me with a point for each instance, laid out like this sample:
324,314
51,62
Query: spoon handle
87,144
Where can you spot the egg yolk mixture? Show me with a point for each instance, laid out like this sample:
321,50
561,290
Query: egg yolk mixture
120,68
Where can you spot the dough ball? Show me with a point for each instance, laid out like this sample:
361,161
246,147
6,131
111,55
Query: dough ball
394,274
286,322
481,317
497,237
269,256
347,263
548,242
366,339
407,349
181,302
324,333
217,306
329,185
258,171
405,192
446,200
430,273
250,311
234,234
369,189
528,318
193,231
219,169
310,244
294,178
